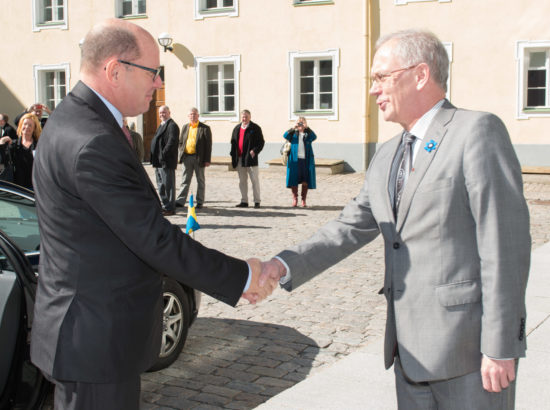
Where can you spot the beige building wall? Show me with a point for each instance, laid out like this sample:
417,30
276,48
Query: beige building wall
484,69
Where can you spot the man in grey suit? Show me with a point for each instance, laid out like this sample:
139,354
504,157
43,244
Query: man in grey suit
446,195
104,242
194,152
164,158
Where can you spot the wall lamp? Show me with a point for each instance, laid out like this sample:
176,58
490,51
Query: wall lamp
165,40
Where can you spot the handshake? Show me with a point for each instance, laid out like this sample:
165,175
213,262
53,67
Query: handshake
265,277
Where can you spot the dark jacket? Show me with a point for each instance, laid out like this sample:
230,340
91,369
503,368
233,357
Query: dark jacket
9,130
164,147
204,143
292,164
98,310
22,159
253,141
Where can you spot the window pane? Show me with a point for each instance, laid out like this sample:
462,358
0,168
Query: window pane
229,103
536,98
229,88
325,84
306,102
228,3
212,72
47,3
19,221
60,3
306,85
212,89
212,104
306,68
228,72
47,15
536,78
326,101
126,8
325,67
211,4
60,14
141,6
537,59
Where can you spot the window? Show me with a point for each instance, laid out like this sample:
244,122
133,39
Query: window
217,82
308,2
214,8
313,83
51,83
533,78
49,14
416,1
129,8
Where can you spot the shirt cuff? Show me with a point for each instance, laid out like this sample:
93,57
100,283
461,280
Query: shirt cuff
247,285
288,276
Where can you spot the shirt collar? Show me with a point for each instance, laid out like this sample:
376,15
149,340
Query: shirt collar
116,113
421,127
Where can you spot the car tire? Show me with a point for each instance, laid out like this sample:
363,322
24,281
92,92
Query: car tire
176,318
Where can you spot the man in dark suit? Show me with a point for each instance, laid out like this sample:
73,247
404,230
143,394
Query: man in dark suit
164,158
5,128
104,242
195,151
247,141
446,194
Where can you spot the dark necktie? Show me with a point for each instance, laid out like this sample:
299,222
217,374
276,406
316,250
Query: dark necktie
128,136
404,169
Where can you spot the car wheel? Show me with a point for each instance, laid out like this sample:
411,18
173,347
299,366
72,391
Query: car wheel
175,318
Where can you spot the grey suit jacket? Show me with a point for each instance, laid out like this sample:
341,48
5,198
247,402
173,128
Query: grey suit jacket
457,258
104,247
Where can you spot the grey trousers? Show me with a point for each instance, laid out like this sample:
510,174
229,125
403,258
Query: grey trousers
459,393
191,165
97,396
166,187
254,174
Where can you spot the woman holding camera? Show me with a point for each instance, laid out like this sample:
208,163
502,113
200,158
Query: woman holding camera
300,168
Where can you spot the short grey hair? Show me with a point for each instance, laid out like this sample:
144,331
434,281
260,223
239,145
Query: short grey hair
108,40
420,46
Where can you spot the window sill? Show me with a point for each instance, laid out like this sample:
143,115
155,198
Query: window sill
133,17
313,3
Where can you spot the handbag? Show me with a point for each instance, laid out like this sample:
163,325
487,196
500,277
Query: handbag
285,151
6,165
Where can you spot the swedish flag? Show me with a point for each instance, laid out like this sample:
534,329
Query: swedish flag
192,224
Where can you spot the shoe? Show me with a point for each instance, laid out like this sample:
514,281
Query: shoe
257,205
294,202
168,213
178,205
199,206
242,205
304,203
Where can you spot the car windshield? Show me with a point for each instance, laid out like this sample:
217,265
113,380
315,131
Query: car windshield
19,221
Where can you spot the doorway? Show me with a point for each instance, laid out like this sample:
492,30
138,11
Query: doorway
151,120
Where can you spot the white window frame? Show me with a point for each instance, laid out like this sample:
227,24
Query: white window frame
522,49
39,86
311,2
38,17
294,57
118,9
449,47
201,12
401,2
201,99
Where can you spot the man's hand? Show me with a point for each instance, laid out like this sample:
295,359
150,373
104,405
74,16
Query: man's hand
497,374
207,164
272,270
258,291
252,153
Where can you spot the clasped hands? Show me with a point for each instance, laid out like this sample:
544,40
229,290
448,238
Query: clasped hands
265,276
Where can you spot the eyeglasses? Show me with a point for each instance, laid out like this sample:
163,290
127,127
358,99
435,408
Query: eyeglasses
155,71
379,78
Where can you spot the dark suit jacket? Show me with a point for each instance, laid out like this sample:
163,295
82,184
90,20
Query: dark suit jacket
104,247
9,130
164,147
204,143
253,141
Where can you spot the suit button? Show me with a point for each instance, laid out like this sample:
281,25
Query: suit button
396,245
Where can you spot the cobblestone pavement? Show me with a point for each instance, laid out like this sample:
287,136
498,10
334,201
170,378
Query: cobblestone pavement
237,358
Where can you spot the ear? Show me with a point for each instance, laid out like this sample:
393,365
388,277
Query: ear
422,75
113,70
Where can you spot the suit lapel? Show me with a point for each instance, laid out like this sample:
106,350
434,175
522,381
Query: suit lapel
394,144
434,137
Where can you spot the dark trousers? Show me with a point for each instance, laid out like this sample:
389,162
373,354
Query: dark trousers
97,396
166,186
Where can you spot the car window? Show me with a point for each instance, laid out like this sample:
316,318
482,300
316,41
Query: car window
19,221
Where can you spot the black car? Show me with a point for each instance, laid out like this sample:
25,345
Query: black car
22,385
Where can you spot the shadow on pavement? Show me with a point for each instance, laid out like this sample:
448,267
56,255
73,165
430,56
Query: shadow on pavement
232,363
